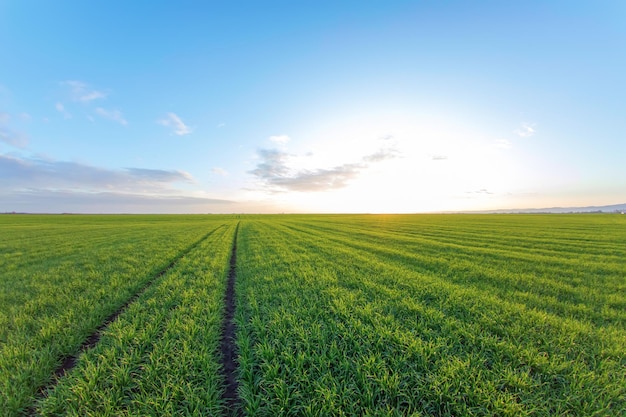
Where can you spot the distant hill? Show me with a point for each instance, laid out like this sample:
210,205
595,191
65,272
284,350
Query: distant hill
614,208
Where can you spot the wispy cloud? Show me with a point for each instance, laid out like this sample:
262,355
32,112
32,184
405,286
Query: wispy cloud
176,124
24,173
482,191
503,144
8,135
40,185
382,154
273,164
220,125
439,157
320,179
219,171
114,115
61,109
76,201
82,92
274,173
279,139
526,130
159,175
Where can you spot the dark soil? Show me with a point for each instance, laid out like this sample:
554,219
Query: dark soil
227,343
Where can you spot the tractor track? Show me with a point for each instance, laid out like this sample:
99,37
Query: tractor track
69,362
228,347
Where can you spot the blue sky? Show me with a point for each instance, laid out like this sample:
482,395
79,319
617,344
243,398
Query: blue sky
398,106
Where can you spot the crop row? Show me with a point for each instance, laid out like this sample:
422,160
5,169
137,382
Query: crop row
342,320
63,275
160,357
336,315
572,284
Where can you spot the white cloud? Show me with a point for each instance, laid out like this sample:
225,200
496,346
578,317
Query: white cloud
82,92
173,121
503,144
439,157
482,191
61,109
5,117
220,125
526,130
280,139
219,171
114,115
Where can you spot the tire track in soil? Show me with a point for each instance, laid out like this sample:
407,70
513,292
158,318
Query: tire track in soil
69,362
228,347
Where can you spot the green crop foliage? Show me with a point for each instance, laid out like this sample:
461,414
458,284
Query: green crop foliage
433,315
160,357
374,315
61,276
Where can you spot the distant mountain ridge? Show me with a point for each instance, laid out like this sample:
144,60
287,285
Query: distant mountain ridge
613,208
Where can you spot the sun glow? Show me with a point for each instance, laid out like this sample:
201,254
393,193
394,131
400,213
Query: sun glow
388,163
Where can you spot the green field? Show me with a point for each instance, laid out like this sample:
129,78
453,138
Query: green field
444,315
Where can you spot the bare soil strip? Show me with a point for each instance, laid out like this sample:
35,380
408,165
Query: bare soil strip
69,362
227,342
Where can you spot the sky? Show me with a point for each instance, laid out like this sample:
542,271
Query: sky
311,106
